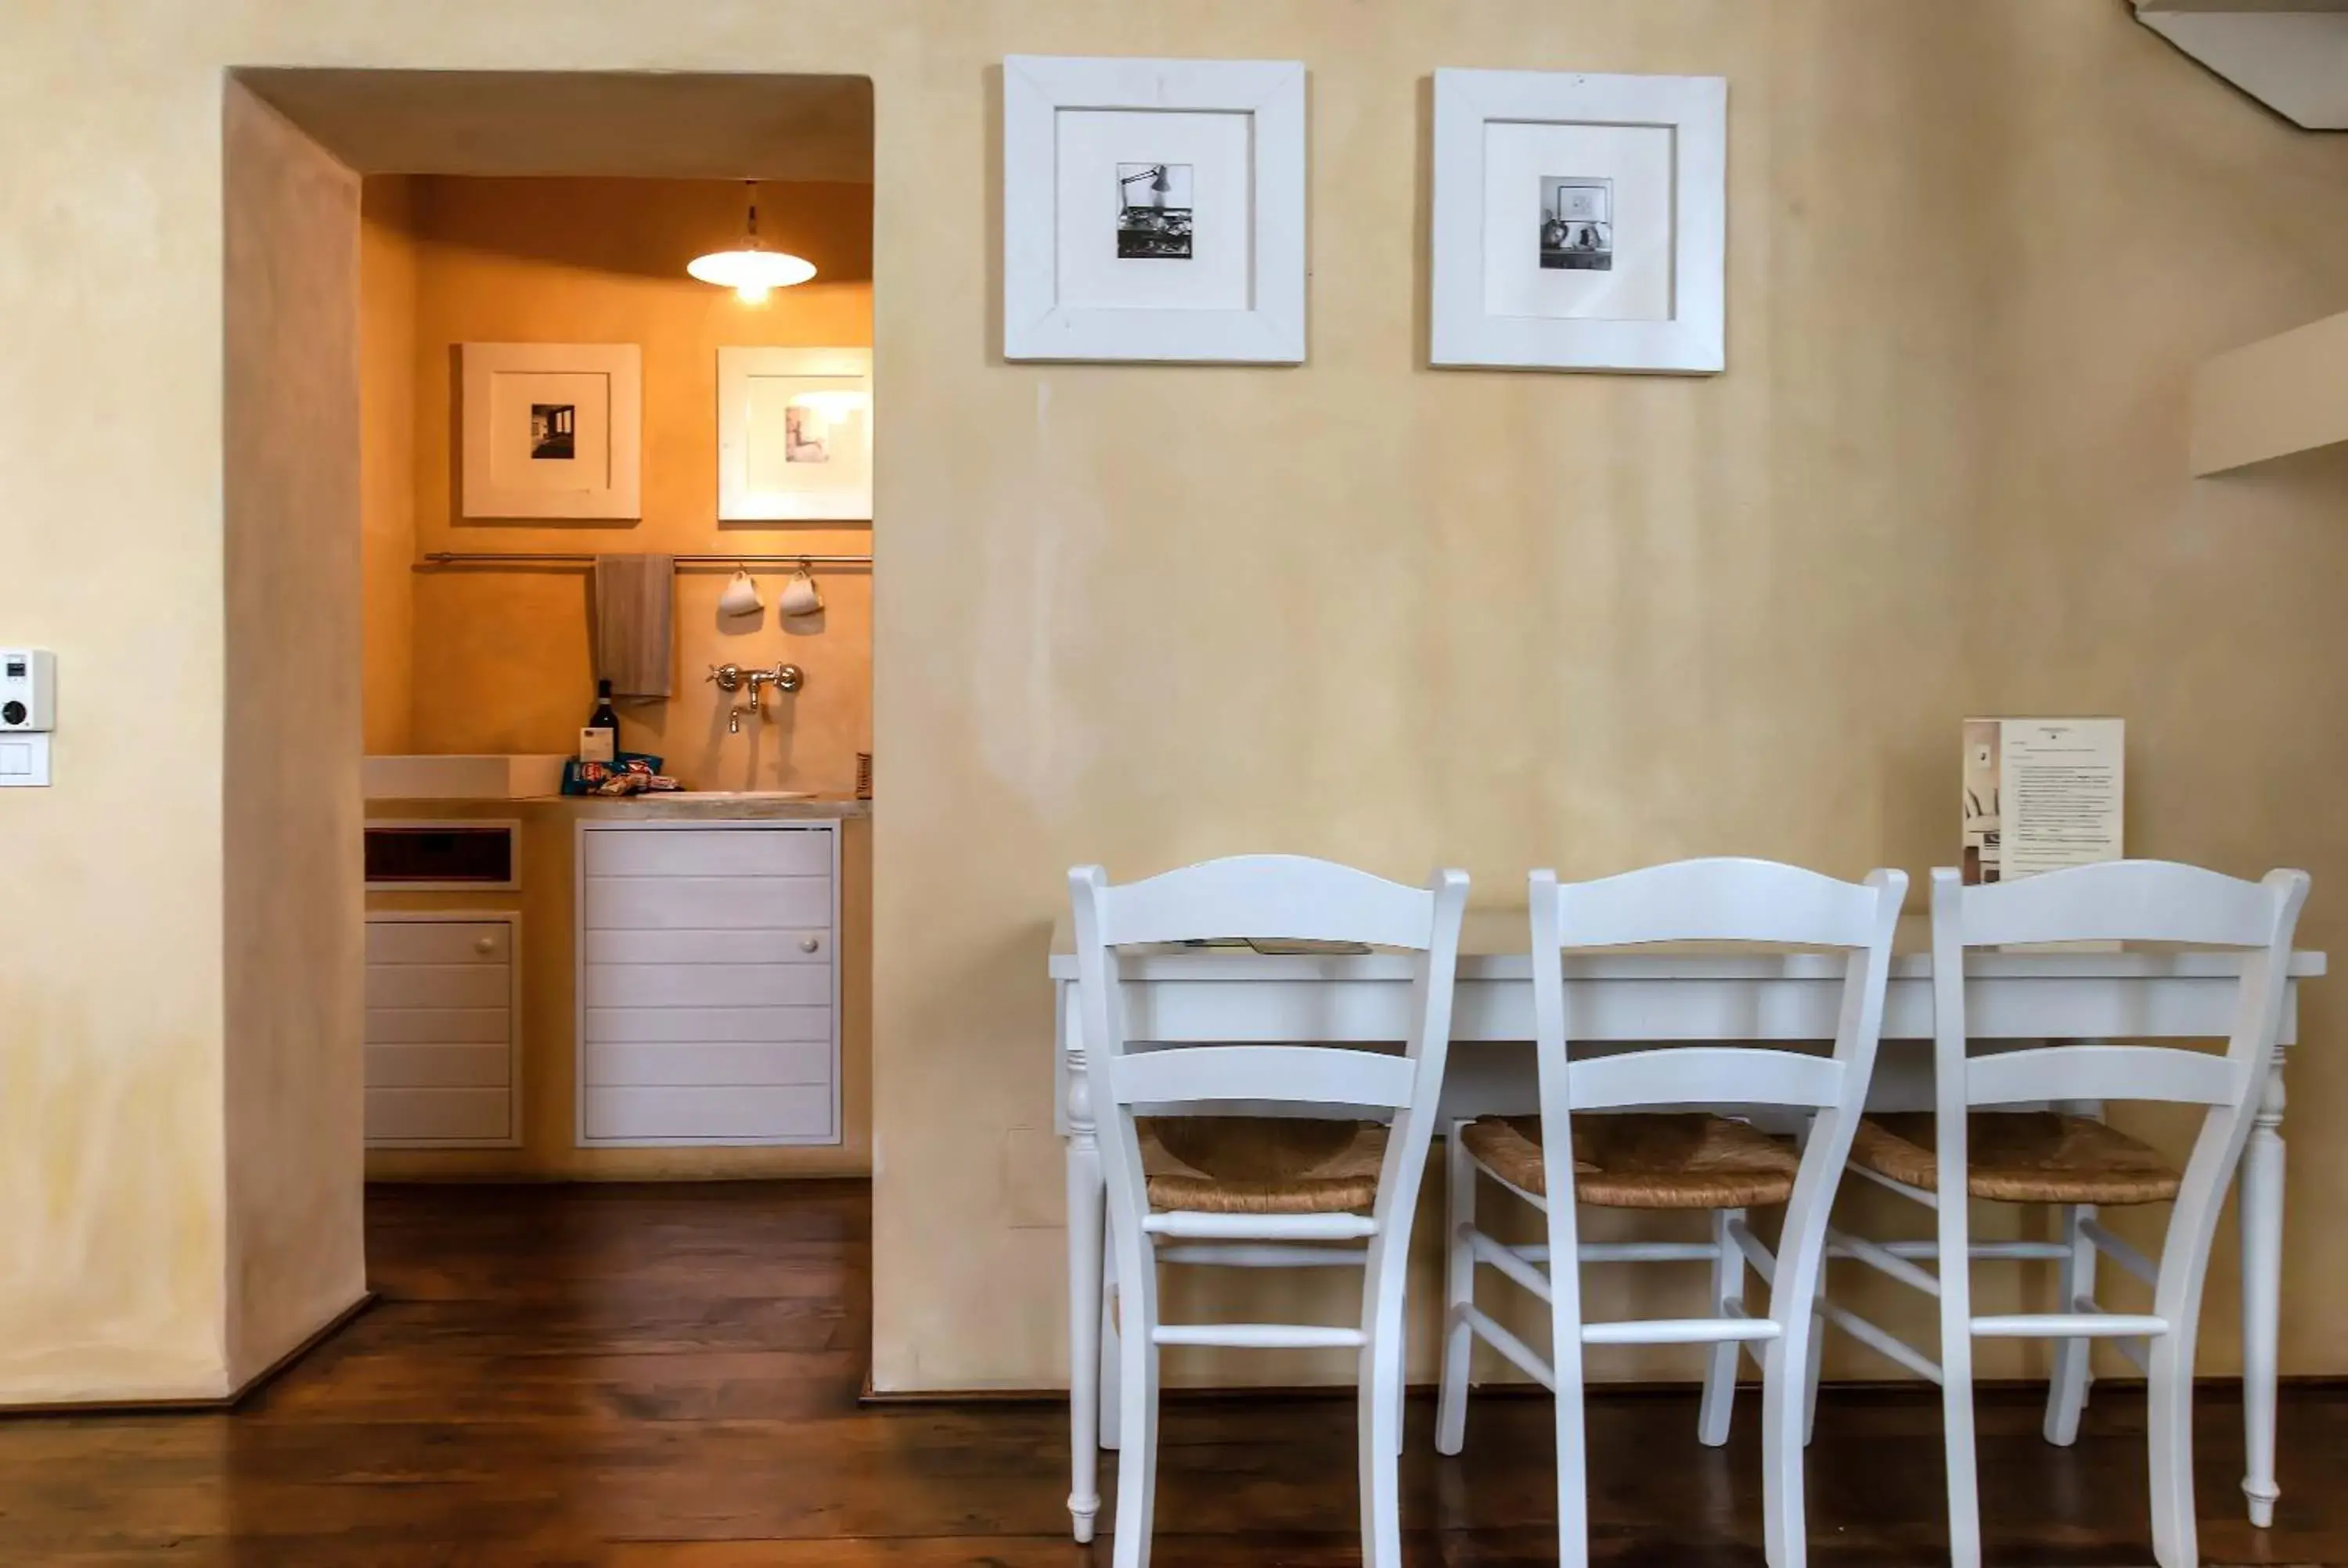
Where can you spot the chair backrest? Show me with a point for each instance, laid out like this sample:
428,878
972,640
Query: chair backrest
1716,900
2125,900
2116,901
1745,901
1265,897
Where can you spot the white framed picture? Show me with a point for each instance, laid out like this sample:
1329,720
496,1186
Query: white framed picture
552,430
1580,221
1153,209
794,435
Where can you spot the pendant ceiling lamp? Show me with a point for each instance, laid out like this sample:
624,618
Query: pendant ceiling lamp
752,270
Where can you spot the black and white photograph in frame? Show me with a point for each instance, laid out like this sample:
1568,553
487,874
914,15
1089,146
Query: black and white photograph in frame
550,430
807,434
1577,228
1153,209
553,432
1153,216
1578,223
794,433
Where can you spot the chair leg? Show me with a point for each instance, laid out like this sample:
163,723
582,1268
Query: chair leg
1957,1385
1136,1461
1816,1360
1727,1290
1565,1362
2066,1390
1394,1381
1458,1291
2168,1429
1111,1358
1380,1442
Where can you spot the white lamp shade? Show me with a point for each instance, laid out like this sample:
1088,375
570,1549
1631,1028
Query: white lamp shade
751,270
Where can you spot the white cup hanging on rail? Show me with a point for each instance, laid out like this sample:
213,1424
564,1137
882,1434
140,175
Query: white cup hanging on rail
799,596
741,596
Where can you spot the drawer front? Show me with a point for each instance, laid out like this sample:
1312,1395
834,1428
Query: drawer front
812,946
440,1026
439,1115
709,852
707,903
439,1033
704,1065
438,985
777,1113
705,985
734,1026
439,942
440,1066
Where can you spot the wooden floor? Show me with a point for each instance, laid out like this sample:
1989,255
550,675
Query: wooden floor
638,1376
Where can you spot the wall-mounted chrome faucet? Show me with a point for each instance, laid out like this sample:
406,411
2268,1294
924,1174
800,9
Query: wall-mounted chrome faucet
733,678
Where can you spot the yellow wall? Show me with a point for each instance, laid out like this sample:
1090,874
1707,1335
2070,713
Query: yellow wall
501,658
388,459
1356,608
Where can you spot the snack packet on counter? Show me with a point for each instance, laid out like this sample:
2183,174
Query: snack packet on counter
630,772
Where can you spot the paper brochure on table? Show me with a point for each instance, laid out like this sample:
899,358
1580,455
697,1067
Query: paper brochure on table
2040,794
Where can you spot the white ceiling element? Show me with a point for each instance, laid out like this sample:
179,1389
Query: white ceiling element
2290,54
2283,394
669,124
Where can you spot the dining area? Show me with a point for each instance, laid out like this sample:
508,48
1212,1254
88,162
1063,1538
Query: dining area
1280,1064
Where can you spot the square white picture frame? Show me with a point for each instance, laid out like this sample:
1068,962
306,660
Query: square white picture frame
1623,276
1096,263
794,435
551,430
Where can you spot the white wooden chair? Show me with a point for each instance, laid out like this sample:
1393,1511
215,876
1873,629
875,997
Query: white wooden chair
2066,1157
1683,1161
1227,1188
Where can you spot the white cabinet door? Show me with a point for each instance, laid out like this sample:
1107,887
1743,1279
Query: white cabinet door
708,995
441,1035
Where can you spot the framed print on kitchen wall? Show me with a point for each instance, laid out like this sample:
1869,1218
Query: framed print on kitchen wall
794,435
1580,221
551,430
1153,209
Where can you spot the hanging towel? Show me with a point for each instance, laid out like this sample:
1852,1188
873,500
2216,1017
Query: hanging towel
633,595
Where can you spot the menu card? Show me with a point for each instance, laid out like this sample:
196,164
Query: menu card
2040,794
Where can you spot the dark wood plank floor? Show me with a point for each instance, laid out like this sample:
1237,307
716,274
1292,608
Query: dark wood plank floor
668,1376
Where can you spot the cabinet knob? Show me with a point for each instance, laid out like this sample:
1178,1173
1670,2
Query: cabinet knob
485,944
808,944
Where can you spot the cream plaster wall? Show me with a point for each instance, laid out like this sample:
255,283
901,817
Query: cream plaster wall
291,905
1355,608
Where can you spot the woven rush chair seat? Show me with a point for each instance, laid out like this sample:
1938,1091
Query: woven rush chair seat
1645,1160
2022,1157
1260,1165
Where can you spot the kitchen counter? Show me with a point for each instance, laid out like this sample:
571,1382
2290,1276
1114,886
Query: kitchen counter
545,908
673,807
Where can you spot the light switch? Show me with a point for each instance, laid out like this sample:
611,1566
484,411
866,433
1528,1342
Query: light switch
24,761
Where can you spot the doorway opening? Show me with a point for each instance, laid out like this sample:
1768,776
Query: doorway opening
490,444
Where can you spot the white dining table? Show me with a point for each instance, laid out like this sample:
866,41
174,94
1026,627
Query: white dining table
1227,994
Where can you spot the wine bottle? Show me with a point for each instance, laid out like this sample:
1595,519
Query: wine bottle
599,741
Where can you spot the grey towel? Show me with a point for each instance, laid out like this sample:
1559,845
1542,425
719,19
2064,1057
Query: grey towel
634,598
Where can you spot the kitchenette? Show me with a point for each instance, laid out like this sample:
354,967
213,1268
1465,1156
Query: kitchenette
618,630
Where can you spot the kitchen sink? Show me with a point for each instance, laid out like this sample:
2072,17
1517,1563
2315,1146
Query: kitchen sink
733,794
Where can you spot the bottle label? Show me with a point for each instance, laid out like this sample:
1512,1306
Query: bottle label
597,745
